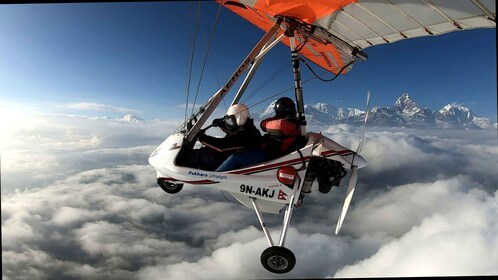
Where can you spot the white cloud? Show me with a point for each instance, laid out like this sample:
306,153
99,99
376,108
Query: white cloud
89,106
445,228
234,261
72,216
99,213
50,147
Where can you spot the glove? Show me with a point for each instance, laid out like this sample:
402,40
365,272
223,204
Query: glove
218,122
201,135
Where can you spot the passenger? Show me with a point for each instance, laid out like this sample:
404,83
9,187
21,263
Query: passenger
283,131
240,134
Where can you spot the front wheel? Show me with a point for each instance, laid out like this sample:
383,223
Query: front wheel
169,187
278,259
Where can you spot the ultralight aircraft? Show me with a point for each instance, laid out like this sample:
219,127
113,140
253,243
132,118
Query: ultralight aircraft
333,34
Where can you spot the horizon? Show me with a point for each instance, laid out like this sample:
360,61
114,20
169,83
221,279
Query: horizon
102,59
455,104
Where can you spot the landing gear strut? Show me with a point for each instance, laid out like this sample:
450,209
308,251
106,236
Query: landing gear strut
277,258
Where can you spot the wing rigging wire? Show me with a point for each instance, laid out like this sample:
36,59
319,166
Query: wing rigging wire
278,72
207,54
197,22
267,81
315,76
189,74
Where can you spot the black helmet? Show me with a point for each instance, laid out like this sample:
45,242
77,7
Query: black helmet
285,107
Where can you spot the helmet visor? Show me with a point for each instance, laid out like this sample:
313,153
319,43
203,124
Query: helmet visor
231,121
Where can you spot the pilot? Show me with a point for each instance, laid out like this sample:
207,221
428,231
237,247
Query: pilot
241,133
283,132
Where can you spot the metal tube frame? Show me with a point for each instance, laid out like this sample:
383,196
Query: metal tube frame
287,215
262,221
298,90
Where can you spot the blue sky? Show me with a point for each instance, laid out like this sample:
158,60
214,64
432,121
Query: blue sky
134,57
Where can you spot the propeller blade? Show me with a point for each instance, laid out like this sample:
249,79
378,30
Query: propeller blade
360,145
354,172
349,196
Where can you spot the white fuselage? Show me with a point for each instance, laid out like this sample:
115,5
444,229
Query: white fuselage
259,181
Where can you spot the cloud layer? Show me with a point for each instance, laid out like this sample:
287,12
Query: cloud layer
42,148
427,204
99,107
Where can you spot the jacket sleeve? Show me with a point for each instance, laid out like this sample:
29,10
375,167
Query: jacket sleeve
247,137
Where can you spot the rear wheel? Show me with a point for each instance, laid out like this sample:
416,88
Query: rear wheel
278,259
169,187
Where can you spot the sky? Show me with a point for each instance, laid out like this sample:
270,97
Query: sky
80,201
118,58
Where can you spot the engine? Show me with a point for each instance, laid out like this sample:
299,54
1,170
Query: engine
326,172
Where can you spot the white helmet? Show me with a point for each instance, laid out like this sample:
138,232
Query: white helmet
240,114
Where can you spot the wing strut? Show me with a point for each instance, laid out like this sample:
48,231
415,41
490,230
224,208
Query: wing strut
207,109
287,216
254,67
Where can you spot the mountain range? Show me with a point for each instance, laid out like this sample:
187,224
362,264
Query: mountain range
404,113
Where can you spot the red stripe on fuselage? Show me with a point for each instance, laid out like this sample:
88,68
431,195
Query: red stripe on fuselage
262,168
289,162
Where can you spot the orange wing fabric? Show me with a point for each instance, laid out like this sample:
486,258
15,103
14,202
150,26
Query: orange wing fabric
262,13
339,27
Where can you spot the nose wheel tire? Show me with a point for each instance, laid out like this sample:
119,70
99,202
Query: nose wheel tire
278,259
169,187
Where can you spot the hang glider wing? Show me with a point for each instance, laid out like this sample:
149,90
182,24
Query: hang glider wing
337,28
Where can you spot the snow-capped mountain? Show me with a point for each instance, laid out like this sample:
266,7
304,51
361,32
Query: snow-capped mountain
407,105
405,113
321,113
131,118
454,112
